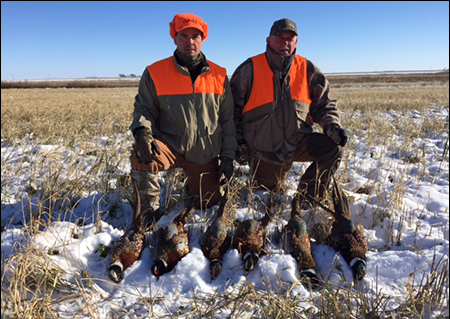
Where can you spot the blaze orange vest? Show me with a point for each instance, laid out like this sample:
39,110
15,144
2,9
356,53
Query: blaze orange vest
262,90
169,81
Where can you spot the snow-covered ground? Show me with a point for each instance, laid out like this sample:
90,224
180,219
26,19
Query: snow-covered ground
405,219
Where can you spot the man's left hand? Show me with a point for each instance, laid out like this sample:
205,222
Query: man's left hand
337,134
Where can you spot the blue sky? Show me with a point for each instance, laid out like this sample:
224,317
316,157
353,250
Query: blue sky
76,39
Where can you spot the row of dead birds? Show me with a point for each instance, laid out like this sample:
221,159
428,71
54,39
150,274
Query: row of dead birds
249,239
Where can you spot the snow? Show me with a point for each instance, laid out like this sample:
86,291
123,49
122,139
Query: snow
406,233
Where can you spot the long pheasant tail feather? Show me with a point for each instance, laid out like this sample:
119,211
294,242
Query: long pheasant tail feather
340,201
309,197
136,206
184,216
268,217
125,182
223,203
295,205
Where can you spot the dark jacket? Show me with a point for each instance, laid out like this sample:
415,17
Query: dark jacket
272,133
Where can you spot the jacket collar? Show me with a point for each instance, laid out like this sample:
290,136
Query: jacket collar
278,62
184,69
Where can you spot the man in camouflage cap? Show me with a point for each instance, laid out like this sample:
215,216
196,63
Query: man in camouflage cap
278,96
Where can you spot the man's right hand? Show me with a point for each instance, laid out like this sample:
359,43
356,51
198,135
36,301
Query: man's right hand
145,146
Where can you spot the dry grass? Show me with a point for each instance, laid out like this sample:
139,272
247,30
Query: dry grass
94,123
391,80
75,114
70,84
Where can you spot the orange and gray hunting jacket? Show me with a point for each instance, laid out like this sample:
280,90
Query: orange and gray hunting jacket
277,99
195,119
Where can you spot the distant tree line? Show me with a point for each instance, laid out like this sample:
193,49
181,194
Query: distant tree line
132,75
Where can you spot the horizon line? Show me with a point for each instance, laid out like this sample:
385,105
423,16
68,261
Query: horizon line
138,77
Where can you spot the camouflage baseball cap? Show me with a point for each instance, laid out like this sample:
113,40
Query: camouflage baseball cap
283,25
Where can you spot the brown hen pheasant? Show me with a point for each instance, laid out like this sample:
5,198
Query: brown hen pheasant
173,243
217,240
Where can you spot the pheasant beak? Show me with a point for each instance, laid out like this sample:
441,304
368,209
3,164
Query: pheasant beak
157,275
115,277
358,276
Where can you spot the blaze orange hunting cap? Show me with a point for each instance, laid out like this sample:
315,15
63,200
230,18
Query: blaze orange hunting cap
187,20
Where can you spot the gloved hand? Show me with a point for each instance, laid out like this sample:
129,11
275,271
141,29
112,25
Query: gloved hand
145,147
226,168
241,154
337,134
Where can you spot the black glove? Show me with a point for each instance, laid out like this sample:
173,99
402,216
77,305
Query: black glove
145,146
226,168
241,154
337,134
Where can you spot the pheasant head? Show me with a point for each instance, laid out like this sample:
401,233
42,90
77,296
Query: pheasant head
250,261
215,267
159,268
115,272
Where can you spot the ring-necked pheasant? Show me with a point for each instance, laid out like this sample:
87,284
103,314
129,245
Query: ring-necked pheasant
173,243
345,237
250,238
298,244
127,249
216,240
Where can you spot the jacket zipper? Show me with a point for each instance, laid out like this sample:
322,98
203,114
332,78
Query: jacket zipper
281,105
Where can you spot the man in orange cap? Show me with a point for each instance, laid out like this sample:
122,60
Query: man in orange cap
183,118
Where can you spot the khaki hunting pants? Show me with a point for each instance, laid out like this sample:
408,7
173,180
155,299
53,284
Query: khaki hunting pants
203,184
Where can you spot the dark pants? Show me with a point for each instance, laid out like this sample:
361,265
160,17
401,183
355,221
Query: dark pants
317,148
203,185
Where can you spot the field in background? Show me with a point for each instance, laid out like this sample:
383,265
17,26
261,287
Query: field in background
67,115
336,79
387,79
